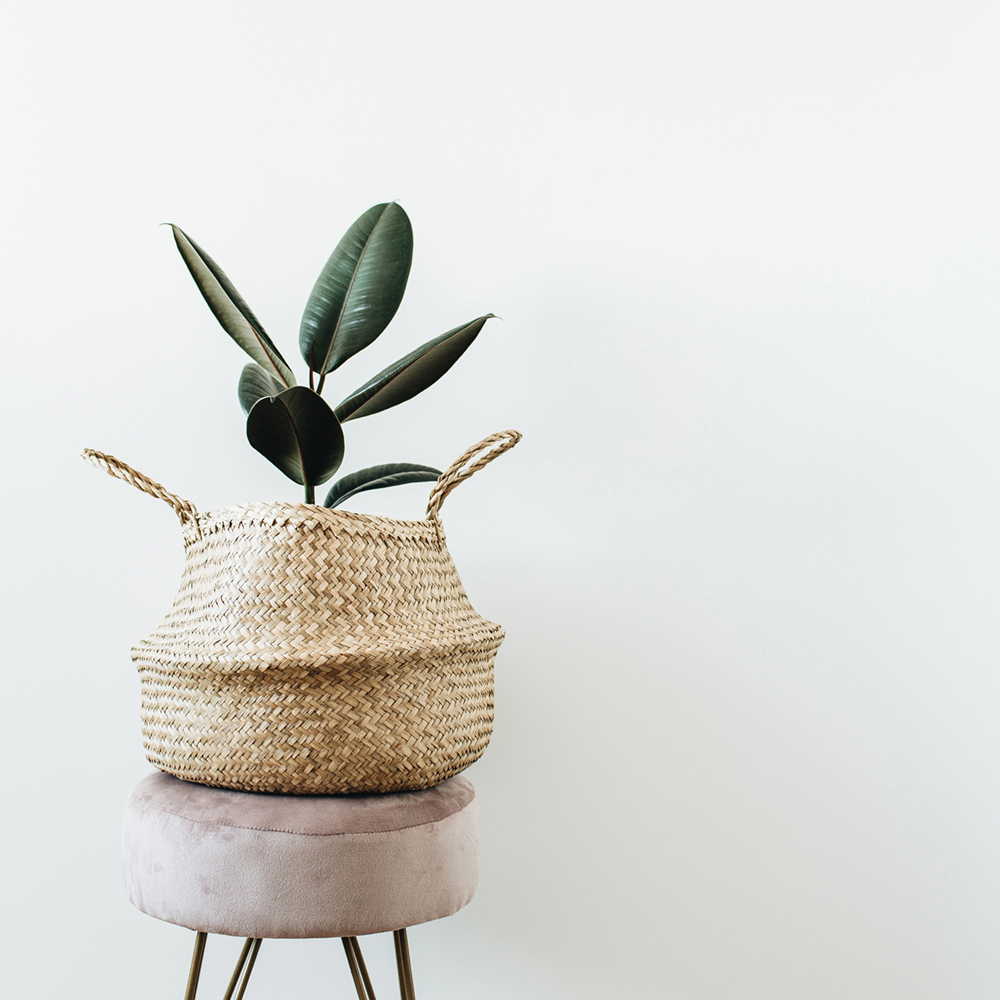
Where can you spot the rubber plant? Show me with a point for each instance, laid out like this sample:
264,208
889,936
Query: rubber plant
355,296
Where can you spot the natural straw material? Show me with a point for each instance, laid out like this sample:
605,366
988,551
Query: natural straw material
317,651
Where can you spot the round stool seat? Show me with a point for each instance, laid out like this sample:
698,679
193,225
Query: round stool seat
261,865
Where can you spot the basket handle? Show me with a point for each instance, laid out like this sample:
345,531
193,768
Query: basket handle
184,509
461,469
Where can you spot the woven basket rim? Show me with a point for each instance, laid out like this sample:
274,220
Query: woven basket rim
310,510
278,513
464,467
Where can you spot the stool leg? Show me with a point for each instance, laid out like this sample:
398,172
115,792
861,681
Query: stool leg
199,953
364,970
239,968
403,965
253,958
358,970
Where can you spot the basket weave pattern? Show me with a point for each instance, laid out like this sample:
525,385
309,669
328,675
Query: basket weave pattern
317,651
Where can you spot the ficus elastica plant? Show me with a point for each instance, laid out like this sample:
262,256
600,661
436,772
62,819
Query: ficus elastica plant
355,297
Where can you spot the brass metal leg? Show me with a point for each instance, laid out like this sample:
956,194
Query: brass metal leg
358,970
238,969
254,948
364,970
199,953
403,965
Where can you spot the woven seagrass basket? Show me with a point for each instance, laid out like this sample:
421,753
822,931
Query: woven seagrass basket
317,651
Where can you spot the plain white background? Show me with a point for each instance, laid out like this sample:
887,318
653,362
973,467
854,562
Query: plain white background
746,555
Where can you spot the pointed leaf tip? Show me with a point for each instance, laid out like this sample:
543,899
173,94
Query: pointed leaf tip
379,477
359,289
229,308
410,375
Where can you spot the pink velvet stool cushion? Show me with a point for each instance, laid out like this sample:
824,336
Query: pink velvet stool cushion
295,866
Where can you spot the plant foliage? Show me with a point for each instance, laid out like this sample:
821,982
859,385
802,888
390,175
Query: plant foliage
359,290
378,477
299,433
352,302
403,379
255,383
230,310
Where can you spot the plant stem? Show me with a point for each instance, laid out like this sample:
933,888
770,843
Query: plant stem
310,494
319,388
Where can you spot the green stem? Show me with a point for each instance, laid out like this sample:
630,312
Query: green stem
319,387
310,494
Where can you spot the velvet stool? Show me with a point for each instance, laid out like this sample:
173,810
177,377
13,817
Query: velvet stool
261,865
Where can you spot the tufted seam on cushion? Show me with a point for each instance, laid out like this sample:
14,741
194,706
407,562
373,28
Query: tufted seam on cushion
294,833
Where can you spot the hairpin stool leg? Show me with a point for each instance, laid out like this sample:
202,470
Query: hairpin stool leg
199,953
403,965
251,948
239,968
246,975
358,970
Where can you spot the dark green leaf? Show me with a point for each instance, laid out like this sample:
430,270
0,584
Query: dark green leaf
378,477
255,383
359,289
403,379
230,310
298,432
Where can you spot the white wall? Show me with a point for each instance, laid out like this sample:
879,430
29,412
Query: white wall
747,554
